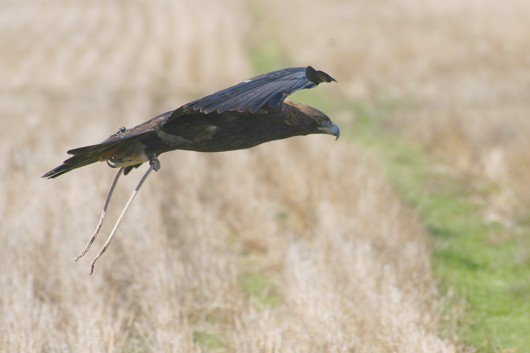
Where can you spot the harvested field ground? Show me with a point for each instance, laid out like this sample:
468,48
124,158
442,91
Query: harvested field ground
293,246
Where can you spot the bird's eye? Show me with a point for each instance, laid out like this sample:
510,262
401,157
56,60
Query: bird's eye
321,120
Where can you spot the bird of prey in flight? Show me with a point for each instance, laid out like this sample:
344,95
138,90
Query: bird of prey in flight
239,117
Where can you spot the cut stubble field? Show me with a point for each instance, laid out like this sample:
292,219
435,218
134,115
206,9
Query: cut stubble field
293,246
278,248
440,91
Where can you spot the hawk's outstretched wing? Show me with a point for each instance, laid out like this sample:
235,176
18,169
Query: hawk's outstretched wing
264,91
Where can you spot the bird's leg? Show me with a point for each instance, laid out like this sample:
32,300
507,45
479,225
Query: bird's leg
154,164
98,227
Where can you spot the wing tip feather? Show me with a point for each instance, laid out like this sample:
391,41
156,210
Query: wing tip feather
317,76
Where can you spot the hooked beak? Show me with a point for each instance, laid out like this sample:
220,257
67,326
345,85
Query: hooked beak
331,129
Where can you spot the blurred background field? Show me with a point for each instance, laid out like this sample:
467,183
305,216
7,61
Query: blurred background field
409,234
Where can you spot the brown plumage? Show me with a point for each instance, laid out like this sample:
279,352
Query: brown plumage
239,117
243,116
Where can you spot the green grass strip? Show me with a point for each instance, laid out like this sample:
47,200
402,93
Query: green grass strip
485,262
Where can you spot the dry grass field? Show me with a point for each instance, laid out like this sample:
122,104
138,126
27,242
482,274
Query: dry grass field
294,246
460,71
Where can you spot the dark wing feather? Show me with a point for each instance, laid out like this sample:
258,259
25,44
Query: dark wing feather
264,91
